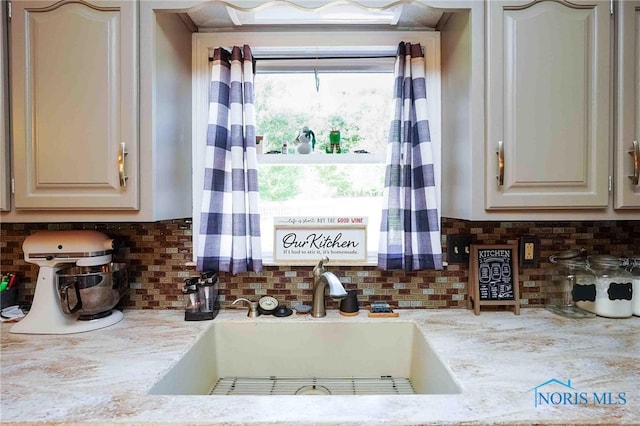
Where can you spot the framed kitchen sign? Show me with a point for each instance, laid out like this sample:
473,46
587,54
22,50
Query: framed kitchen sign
493,276
305,240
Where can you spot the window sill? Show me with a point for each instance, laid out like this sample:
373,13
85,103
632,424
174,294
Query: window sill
320,158
271,263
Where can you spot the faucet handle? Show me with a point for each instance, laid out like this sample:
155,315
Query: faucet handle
319,268
253,306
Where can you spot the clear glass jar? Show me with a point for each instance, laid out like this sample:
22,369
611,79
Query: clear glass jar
190,295
567,278
634,269
613,287
207,294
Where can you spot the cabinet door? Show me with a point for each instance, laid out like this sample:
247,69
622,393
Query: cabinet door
74,78
627,190
547,104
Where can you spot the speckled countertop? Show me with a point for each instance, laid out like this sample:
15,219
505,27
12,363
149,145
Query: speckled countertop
104,376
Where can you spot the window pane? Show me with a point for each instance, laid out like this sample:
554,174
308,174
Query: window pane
353,190
357,104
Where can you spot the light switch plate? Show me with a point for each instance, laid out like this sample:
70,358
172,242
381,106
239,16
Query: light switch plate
458,248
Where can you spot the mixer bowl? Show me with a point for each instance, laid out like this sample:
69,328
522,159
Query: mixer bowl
91,291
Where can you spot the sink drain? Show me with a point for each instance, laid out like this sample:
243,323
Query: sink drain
383,385
313,390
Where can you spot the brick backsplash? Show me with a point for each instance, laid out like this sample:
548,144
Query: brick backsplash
157,255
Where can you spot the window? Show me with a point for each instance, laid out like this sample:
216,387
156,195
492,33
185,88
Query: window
350,183
358,104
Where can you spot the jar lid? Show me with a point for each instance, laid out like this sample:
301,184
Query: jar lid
566,255
573,263
207,283
605,260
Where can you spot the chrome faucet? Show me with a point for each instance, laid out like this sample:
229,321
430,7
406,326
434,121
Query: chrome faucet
321,279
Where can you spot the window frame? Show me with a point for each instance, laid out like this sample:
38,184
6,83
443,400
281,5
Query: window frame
310,41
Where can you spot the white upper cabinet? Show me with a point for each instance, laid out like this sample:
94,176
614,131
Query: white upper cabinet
627,107
548,104
5,164
540,110
75,104
101,112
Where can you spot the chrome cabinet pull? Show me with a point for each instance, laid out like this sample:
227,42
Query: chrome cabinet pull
500,153
121,169
635,153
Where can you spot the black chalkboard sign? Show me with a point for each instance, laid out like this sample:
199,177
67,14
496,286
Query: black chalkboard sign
493,276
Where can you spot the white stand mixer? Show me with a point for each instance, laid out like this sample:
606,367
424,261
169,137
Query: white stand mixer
53,251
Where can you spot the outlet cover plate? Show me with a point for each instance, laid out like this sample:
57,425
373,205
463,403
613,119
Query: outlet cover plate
458,248
528,251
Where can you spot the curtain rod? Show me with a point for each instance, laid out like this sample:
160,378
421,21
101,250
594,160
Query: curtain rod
307,58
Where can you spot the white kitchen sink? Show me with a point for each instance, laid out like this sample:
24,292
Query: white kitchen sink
309,357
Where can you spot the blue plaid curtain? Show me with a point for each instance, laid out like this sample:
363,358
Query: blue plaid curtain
410,230
229,238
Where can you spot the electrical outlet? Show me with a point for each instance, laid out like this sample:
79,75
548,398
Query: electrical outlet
528,251
458,248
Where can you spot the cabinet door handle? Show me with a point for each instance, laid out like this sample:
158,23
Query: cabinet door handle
500,152
635,154
121,170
